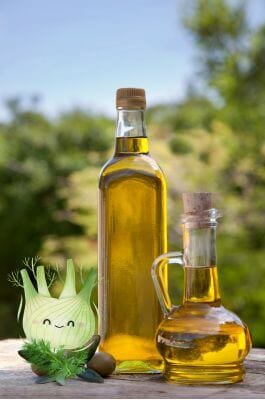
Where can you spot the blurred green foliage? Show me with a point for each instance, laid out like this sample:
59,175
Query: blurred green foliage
212,140
37,159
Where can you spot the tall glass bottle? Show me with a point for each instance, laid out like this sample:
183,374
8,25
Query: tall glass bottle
132,233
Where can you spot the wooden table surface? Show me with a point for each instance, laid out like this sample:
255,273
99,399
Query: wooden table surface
17,381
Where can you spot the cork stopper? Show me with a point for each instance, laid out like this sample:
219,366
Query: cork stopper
131,98
196,202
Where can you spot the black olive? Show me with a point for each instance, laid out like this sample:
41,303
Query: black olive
103,363
37,371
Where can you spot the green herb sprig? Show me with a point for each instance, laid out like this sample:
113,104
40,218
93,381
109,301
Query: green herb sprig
58,365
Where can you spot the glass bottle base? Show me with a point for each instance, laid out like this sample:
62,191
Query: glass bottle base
204,375
139,367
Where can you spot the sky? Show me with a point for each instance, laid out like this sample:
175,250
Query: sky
78,52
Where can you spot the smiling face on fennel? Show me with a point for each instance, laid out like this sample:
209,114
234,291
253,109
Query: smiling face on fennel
67,321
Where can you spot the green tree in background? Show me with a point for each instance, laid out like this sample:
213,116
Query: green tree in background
37,156
229,104
232,65
212,141
216,136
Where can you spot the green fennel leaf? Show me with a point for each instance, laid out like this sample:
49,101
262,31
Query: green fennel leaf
57,365
60,380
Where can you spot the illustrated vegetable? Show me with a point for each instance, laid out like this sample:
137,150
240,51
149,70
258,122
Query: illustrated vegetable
103,363
67,321
60,331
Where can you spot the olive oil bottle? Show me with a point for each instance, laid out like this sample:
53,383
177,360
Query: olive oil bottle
200,340
132,233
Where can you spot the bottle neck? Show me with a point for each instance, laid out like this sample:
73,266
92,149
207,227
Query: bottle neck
200,271
131,133
130,123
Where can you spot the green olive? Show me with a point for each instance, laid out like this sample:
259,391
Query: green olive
103,363
37,371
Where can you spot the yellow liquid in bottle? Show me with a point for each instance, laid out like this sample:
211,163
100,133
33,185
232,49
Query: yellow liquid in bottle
200,341
132,233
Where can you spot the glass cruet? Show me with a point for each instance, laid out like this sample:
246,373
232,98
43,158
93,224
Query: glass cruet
200,341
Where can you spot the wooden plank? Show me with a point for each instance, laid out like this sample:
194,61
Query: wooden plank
17,381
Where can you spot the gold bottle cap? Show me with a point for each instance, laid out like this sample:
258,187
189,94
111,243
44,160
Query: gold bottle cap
131,98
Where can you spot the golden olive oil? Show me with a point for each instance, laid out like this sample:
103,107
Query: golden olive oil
132,233
201,341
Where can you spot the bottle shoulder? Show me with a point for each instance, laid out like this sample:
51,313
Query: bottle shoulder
132,164
200,315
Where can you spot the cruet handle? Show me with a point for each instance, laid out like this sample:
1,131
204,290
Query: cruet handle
159,275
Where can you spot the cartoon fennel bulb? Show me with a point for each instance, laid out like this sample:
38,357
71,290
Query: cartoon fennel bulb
67,321
61,339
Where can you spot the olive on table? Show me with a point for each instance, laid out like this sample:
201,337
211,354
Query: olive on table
103,363
37,371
